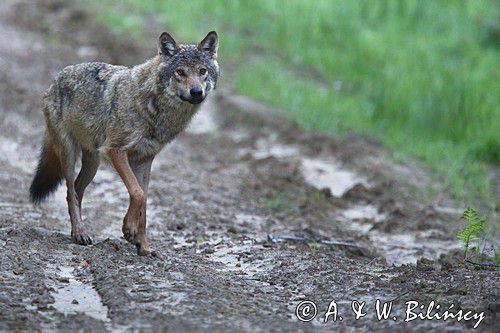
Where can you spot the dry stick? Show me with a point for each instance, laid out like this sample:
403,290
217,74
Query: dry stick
332,242
326,242
401,295
479,264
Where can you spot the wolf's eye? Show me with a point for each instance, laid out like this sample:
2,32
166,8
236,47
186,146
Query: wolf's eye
203,71
180,72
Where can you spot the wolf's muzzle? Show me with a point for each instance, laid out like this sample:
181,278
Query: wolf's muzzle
196,96
193,100
196,92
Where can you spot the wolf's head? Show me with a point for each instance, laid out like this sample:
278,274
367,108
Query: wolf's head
189,71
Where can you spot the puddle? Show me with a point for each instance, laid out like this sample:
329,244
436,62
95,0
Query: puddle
363,212
398,249
204,121
72,296
328,174
319,173
407,248
270,147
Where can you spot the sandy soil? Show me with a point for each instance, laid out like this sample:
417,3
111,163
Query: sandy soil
251,216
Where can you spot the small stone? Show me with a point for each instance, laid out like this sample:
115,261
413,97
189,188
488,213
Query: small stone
327,192
74,301
63,279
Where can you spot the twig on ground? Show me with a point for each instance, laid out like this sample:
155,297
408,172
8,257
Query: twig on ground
401,295
275,239
337,243
480,264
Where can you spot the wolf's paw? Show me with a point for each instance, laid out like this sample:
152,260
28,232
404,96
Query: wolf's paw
146,251
81,237
130,234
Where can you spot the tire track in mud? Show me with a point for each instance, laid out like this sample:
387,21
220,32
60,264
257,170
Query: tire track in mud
216,193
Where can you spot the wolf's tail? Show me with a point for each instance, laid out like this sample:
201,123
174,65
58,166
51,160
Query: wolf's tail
48,174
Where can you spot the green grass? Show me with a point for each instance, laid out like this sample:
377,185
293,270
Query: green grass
281,202
421,76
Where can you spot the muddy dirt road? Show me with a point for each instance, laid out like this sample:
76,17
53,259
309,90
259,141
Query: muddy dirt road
227,199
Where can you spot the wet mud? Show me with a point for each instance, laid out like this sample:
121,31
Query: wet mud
248,212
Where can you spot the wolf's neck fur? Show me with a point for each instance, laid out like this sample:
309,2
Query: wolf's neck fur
165,112
146,77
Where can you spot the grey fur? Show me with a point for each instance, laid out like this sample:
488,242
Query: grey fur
101,106
96,107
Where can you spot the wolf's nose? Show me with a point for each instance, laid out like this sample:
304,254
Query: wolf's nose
196,92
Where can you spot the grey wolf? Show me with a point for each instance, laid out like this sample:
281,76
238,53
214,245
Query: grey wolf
124,115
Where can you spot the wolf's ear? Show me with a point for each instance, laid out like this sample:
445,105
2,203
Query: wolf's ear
210,43
167,45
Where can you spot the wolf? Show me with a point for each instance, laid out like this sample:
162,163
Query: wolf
125,116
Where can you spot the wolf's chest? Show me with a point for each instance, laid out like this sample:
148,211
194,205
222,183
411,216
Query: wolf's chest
160,126
169,123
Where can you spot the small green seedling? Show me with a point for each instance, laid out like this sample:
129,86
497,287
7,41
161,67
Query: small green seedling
472,231
313,247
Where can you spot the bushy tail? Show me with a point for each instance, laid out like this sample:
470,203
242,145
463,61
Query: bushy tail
48,174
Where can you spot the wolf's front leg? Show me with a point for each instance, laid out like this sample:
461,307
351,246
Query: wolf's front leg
142,170
131,223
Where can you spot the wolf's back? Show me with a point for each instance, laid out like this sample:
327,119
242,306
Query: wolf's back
77,98
82,86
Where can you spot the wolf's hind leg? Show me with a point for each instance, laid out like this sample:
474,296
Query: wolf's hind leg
90,164
68,161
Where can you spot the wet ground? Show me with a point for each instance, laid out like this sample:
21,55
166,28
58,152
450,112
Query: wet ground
251,216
